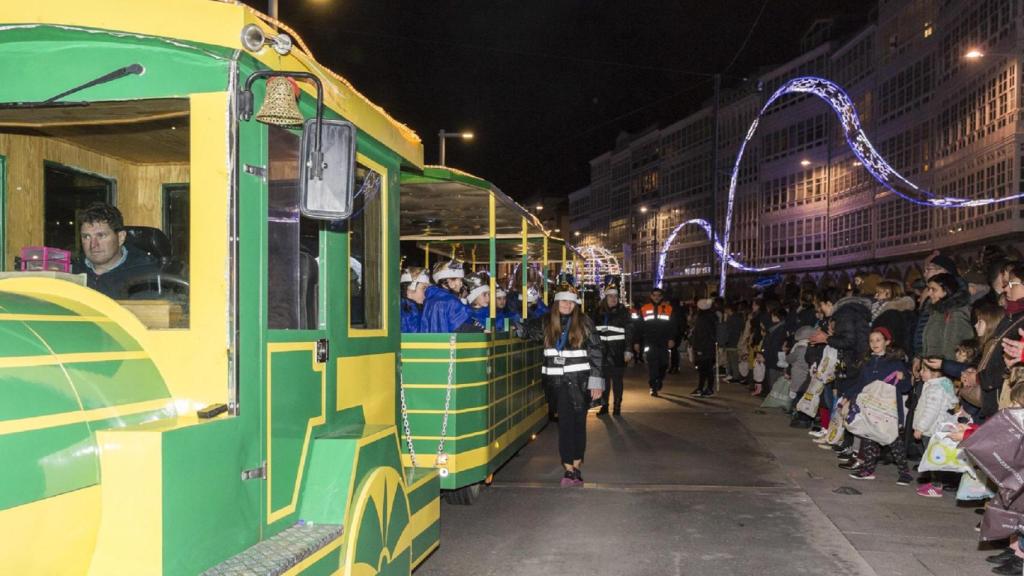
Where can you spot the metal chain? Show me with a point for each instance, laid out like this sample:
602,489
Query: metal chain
405,413
442,458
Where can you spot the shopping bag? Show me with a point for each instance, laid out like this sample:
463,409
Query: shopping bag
942,454
997,448
759,371
873,415
744,368
779,396
973,486
808,403
837,424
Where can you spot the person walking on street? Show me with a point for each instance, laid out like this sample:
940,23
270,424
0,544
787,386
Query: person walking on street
615,328
573,359
705,327
658,330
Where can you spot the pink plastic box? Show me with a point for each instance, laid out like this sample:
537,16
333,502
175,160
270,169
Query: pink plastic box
45,258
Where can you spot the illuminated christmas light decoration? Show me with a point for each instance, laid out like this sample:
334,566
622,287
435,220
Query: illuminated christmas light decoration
719,250
859,144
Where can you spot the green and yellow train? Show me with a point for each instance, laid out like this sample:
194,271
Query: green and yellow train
242,411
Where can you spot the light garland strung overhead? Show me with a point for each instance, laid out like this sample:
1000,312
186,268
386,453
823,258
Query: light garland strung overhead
859,144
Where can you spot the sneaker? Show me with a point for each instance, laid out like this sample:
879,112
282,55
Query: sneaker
862,475
577,477
708,393
817,432
697,392
654,392
616,411
851,465
842,452
603,410
929,490
824,445
569,479
1001,558
1012,566
823,439
756,391
905,479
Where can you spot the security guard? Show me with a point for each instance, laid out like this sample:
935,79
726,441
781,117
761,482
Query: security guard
658,332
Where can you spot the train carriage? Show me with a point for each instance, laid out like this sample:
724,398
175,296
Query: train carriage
234,411
473,400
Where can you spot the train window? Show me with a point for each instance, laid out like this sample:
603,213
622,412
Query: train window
366,240
66,192
176,222
80,171
293,241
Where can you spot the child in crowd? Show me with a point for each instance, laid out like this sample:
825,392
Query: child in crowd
758,373
934,409
967,351
887,364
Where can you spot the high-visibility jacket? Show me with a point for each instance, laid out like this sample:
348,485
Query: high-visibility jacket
616,331
656,324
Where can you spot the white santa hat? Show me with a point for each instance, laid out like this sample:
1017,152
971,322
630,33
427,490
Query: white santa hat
476,292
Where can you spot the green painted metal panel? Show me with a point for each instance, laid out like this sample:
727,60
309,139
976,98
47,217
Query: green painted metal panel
208,512
34,391
3,213
11,303
325,566
294,398
116,382
77,337
52,60
426,539
42,463
19,341
327,481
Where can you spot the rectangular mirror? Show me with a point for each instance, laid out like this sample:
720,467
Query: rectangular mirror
328,197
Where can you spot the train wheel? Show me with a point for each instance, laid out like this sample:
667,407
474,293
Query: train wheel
378,540
464,496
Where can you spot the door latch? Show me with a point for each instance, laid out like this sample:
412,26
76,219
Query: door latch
256,473
322,350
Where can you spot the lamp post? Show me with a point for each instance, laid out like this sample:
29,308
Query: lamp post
442,136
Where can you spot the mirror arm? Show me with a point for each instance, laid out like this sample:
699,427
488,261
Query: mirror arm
245,104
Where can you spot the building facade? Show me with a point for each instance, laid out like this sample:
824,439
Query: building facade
950,124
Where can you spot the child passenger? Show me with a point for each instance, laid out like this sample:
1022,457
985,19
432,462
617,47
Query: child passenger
887,364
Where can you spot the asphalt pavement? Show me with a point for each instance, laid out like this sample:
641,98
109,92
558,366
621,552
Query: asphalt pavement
677,485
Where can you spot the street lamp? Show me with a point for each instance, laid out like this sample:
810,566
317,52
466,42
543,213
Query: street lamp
442,136
643,209
974,54
805,162
540,207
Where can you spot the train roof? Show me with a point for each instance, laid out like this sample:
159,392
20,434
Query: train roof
216,23
446,205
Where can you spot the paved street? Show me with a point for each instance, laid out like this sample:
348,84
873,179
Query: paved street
714,486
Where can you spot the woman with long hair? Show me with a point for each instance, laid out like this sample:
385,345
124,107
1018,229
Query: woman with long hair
572,366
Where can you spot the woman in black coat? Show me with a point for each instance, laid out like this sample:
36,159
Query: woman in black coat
703,339
573,358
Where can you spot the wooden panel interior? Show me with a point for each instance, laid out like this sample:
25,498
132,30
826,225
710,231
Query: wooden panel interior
138,189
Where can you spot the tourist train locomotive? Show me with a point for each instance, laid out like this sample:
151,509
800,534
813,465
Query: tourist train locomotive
241,410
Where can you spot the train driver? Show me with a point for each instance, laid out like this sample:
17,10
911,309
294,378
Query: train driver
110,266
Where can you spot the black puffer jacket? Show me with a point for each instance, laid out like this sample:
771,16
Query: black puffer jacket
589,353
852,324
898,317
704,334
615,329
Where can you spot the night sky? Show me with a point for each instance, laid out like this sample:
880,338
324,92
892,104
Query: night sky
546,86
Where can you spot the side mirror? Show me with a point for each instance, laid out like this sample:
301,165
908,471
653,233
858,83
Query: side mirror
327,176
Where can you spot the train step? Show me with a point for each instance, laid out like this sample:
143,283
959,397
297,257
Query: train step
277,554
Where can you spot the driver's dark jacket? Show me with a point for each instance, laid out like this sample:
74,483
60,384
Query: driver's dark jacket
116,283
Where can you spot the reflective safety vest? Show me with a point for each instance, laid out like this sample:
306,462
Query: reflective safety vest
565,362
662,311
611,333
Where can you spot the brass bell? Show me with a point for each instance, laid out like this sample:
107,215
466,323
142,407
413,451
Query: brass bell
279,105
